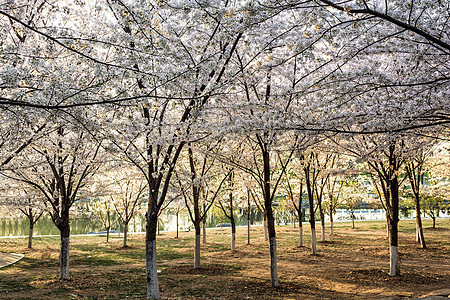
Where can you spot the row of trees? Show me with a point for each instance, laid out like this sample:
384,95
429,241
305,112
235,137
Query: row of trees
250,85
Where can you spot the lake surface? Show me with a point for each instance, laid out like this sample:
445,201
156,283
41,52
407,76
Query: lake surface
45,226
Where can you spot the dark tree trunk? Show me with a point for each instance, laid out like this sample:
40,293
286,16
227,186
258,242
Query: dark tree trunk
414,171
331,217
233,235
294,225
300,228
150,250
270,217
322,221
30,235
434,222
419,229
125,234
353,220
248,218
107,234
64,229
233,224
177,224
197,245
393,211
312,221
204,223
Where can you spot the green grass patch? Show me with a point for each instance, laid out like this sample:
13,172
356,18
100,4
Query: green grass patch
13,285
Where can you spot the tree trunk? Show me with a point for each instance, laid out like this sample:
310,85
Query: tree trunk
353,220
393,243
393,225
177,224
415,176
150,250
125,234
248,231
270,218
322,221
312,218
300,230
272,246
30,235
107,235
248,219
434,222
419,230
313,241
197,246
64,254
331,224
233,235
312,223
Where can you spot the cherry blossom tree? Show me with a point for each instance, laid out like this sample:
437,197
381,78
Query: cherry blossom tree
103,211
229,204
19,199
59,167
127,193
201,186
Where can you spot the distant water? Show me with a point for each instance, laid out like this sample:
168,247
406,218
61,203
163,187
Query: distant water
45,226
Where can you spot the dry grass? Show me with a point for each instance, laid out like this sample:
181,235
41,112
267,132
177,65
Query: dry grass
352,264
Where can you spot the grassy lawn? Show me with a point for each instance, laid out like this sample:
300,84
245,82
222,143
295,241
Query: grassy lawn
352,264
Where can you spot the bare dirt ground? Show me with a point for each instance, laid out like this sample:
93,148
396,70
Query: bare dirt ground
351,264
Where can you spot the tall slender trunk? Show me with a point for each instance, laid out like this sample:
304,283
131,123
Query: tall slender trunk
64,254
270,217
313,241
107,235
414,171
233,223
300,229
177,224
419,229
331,224
353,220
393,243
322,221
434,222
150,250
125,234
233,237
30,235
204,230
197,246
393,226
312,219
248,218
388,176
